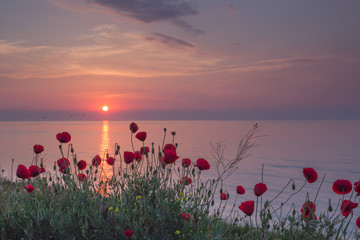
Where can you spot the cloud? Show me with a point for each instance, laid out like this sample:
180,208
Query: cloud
149,11
169,41
187,27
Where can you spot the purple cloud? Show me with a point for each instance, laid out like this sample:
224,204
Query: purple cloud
148,11
169,41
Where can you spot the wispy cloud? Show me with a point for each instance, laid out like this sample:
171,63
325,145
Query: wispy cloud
153,11
145,11
187,27
149,10
169,41
106,51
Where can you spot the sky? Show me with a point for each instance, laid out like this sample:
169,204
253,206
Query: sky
177,59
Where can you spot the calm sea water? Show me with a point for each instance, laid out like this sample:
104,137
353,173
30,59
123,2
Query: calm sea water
284,147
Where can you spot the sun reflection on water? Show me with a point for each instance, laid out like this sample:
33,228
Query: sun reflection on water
105,148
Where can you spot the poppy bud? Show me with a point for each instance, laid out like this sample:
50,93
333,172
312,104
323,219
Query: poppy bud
293,187
330,207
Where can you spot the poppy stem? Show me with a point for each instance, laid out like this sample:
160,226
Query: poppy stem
291,180
289,196
132,144
164,139
257,202
12,168
317,193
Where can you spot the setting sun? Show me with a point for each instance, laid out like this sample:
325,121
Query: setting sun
105,108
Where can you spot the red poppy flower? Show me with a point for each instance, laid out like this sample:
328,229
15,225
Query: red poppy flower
260,189
133,127
170,156
63,137
96,161
42,169
144,150
240,189
137,155
357,187
358,222
141,136
308,209
38,149
185,180
347,207
129,157
22,172
310,174
81,164
110,161
247,207
185,216
81,176
171,147
63,162
224,196
128,233
185,162
29,188
342,186
202,164
34,170
64,170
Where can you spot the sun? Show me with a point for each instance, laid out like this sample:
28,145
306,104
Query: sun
105,108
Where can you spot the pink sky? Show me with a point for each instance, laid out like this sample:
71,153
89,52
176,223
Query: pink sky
179,59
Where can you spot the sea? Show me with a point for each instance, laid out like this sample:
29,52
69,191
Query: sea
281,150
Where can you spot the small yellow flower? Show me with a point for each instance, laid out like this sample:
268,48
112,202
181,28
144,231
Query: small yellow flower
177,232
181,194
116,209
111,208
178,200
138,197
